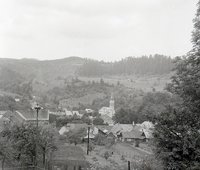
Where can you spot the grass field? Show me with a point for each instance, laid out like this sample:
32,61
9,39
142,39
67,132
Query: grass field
145,82
119,155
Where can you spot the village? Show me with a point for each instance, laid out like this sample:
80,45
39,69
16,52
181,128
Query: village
106,144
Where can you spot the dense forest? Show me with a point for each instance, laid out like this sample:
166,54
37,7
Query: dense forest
156,64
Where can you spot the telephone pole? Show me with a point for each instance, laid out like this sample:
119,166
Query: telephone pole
37,108
88,140
129,165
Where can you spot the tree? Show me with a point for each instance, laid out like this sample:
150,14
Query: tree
47,141
99,139
6,151
76,136
125,116
98,121
22,140
177,135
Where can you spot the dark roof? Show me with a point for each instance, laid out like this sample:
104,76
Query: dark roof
134,134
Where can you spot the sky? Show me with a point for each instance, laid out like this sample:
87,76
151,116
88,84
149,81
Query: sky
99,29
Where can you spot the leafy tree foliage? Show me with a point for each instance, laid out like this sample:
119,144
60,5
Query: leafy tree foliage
154,103
125,116
9,103
6,152
177,130
98,121
22,140
76,136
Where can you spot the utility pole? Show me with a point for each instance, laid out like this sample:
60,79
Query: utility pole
88,142
129,165
37,108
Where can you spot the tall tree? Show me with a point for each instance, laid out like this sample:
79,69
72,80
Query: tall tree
177,131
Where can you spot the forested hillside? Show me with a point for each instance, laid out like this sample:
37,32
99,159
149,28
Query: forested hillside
29,75
157,64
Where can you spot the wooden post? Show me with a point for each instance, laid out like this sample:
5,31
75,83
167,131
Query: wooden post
88,142
129,165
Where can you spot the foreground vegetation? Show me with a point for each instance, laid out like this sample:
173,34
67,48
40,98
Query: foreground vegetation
177,135
18,144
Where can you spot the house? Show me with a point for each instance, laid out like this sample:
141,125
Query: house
135,135
29,116
68,113
118,129
72,127
57,113
147,125
77,114
103,129
148,134
72,113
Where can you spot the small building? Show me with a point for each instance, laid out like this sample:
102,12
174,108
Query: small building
72,127
134,135
118,129
103,129
29,116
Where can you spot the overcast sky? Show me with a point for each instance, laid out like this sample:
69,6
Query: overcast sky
99,29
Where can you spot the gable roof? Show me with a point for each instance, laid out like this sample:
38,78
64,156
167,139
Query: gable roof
134,134
2,112
148,133
31,114
63,130
104,128
118,128
76,126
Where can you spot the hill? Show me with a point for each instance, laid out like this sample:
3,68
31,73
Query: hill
144,73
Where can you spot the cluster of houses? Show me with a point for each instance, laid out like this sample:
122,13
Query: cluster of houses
120,132
129,133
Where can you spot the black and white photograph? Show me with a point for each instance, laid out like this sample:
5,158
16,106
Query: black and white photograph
99,84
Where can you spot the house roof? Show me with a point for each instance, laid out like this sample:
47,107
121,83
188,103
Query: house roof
104,128
32,115
117,128
2,112
133,134
63,130
72,127
148,133
76,126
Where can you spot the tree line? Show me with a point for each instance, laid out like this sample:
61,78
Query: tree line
156,64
